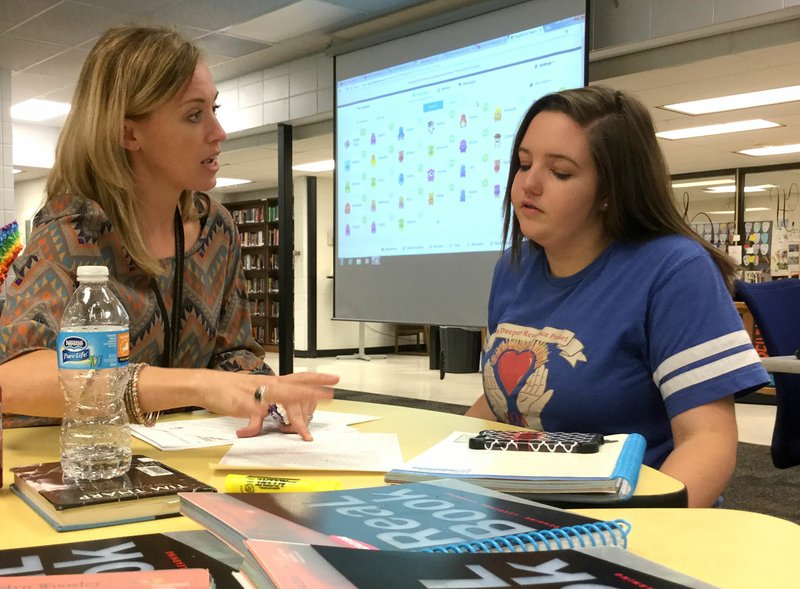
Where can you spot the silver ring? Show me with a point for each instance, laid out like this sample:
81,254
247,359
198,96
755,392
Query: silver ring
259,394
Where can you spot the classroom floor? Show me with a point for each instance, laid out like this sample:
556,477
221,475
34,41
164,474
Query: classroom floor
408,375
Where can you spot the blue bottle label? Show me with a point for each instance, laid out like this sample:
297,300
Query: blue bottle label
93,350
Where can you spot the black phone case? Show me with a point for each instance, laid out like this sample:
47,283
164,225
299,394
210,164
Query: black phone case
530,441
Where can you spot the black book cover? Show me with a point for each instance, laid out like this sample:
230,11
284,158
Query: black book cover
320,567
150,551
411,516
145,478
149,490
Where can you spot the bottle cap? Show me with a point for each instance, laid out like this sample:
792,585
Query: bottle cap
92,273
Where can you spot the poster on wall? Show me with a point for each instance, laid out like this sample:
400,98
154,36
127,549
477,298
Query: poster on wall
757,246
717,234
780,252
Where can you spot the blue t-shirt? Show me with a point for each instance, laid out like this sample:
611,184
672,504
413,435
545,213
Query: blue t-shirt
645,332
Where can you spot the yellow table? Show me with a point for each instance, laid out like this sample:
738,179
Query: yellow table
724,547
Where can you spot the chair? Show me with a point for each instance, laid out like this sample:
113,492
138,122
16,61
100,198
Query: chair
776,309
420,332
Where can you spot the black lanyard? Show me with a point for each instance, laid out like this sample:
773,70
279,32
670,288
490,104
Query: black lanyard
172,327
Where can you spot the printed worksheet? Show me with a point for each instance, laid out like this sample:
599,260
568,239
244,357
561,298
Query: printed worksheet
221,431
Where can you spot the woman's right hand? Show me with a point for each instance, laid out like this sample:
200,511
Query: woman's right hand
234,394
296,393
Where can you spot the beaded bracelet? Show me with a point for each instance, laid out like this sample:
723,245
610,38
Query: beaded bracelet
131,397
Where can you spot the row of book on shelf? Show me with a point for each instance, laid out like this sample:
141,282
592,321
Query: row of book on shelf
256,238
255,214
260,284
432,533
260,334
258,308
256,262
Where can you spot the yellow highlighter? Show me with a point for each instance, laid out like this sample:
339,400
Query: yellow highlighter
247,483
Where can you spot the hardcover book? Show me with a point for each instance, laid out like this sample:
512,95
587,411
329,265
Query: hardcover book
436,515
610,474
289,566
147,491
158,552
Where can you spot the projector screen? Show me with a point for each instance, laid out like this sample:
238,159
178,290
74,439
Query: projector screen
424,127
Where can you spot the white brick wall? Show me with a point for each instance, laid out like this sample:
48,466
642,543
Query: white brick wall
281,94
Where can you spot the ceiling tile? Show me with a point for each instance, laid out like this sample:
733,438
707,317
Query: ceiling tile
25,86
68,63
228,45
70,23
17,54
14,12
299,18
213,14
138,7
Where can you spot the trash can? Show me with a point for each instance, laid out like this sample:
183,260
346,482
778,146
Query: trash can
460,350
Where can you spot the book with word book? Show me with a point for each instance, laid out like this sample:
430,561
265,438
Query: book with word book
413,516
147,491
607,475
289,566
170,579
195,549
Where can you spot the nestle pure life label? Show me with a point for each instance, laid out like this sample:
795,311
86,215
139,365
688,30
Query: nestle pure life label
93,350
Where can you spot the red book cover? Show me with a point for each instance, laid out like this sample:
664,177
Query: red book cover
170,579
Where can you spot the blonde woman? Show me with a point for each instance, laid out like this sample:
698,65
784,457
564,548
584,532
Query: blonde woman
138,149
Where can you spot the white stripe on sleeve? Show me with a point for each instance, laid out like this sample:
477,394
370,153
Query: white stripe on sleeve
701,352
709,371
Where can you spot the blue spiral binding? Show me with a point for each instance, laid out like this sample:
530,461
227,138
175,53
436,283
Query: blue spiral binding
614,533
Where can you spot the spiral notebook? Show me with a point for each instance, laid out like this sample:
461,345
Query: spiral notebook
608,475
447,515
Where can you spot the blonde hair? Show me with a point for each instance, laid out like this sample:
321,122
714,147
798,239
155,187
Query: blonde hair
129,72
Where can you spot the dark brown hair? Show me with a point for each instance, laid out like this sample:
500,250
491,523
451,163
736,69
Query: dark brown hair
631,173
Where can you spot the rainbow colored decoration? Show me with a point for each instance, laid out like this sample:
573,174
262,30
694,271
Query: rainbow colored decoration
10,246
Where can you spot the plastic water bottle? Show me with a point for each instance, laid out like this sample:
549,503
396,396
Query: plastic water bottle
93,348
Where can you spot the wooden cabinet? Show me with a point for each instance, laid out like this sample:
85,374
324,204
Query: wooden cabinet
257,222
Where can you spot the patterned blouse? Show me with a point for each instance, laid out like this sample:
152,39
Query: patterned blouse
72,231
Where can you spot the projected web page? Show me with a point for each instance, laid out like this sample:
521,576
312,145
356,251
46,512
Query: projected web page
423,147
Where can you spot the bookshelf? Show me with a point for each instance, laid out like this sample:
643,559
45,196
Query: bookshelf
257,222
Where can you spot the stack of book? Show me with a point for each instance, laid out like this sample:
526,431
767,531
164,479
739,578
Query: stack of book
440,533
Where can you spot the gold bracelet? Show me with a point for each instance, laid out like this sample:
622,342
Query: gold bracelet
131,396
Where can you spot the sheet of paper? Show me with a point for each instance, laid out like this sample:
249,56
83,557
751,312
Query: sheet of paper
221,431
330,450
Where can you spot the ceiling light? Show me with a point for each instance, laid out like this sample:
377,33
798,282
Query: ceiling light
719,129
735,101
16,171
749,210
772,150
222,182
38,110
727,189
320,166
694,183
